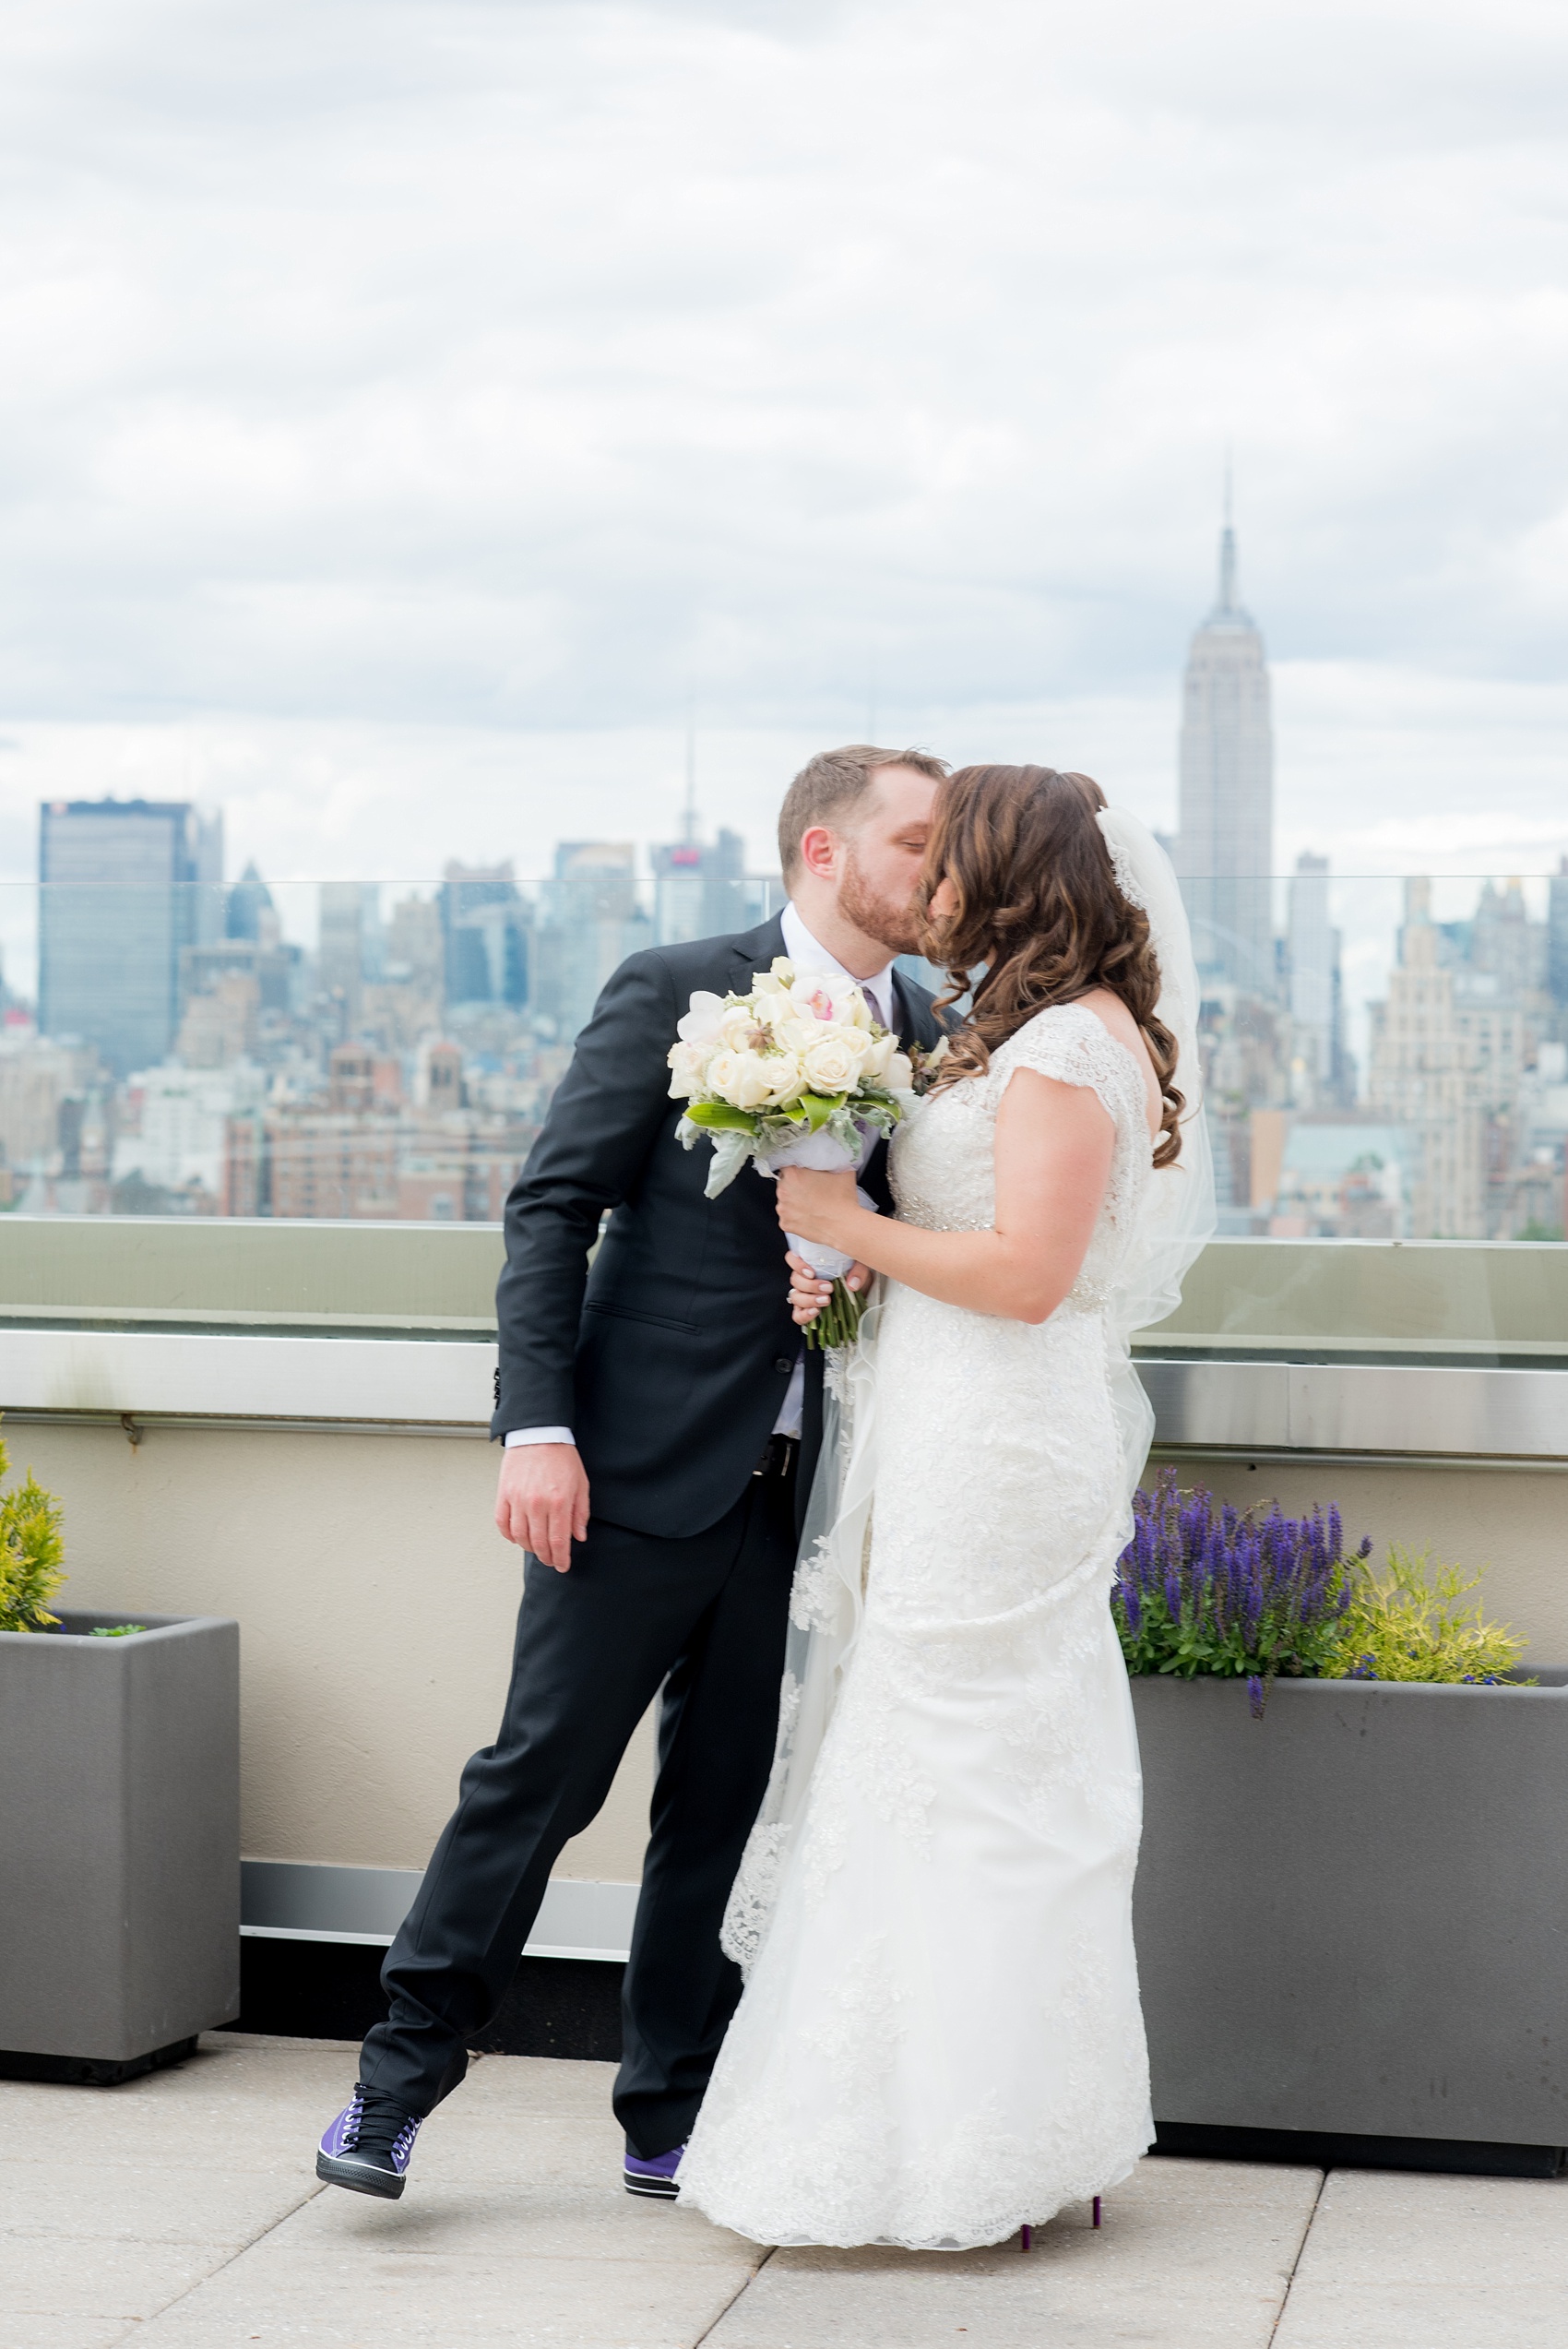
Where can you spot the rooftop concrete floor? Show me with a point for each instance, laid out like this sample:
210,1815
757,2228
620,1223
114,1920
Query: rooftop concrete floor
182,2211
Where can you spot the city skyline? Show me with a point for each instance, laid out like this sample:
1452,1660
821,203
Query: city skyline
199,1047
399,1064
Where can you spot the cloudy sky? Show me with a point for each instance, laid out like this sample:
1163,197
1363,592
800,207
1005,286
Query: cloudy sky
407,406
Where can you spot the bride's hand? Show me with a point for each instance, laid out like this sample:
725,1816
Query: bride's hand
809,1292
813,1206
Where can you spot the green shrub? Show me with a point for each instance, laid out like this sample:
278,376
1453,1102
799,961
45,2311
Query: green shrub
32,1554
1408,1625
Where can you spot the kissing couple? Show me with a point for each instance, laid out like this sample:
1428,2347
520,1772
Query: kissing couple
882,1985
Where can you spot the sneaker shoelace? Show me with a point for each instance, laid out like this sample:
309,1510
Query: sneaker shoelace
378,2124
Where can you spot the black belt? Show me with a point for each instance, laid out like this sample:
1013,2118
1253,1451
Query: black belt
779,1457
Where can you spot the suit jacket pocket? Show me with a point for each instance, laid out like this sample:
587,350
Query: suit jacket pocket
631,1313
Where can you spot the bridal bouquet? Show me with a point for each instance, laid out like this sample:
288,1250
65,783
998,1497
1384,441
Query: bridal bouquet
798,1073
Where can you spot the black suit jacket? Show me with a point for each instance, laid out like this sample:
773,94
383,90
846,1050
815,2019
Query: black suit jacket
669,1359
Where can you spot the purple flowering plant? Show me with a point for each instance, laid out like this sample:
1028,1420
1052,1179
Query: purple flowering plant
1203,1588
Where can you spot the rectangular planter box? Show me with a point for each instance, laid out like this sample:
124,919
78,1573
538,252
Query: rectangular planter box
1352,1915
119,1841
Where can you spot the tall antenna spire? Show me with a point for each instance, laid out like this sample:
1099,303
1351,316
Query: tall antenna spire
689,819
1228,545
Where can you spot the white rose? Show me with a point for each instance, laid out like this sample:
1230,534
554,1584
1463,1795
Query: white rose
832,1065
700,1024
746,1083
787,1076
877,1057
688,1064
724,1074
797,1035
900,1073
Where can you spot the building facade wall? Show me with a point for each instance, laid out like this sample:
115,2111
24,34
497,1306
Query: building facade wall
377,1605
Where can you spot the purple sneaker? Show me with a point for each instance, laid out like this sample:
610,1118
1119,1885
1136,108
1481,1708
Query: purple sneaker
655,2177
368,2145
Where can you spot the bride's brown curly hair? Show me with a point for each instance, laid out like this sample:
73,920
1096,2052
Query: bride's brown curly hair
1040,906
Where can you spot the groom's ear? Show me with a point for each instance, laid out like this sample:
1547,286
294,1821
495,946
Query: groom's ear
819,852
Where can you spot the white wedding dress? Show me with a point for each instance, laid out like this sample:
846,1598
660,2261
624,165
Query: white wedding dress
941,2038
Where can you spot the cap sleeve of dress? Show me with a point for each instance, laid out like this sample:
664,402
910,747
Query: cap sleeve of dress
1070,1042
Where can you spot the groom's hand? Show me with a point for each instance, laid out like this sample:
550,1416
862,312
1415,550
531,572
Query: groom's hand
543,1501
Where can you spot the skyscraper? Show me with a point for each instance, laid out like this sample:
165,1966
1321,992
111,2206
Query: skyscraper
1427,1074
486,923
1226,844
1314,956
593,922
124,884
1557,938
699,892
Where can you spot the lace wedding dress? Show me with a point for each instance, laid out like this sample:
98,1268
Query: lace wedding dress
941,2038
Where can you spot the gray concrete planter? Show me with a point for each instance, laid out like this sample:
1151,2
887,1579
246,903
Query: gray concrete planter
1352,1915
119,1844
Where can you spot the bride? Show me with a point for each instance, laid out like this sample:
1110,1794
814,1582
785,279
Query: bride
941,2039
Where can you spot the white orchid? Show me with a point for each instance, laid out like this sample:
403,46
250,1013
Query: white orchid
700,1024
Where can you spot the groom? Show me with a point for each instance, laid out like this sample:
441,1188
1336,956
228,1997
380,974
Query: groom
660,1417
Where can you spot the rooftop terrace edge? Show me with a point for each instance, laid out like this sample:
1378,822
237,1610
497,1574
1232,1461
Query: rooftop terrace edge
1437,1300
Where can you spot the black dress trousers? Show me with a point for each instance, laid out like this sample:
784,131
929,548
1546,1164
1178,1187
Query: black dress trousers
702,1618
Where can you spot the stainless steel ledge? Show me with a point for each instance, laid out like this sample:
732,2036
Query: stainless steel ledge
370,1382
1350,1409
310,1900
413,1385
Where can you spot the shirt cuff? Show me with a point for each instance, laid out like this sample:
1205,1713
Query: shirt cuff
538,1435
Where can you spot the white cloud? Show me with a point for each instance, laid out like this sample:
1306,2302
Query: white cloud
426,395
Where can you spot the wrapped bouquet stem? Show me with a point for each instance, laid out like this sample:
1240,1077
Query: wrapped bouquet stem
824,1153
798,1073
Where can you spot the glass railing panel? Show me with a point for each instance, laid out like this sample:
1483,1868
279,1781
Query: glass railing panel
1486,1304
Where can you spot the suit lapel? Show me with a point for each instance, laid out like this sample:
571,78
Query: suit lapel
756,951
916,1023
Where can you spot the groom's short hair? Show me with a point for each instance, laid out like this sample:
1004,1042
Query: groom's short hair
831,787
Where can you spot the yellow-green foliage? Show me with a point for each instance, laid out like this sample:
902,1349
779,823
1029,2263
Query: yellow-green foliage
1408,1624
32,1554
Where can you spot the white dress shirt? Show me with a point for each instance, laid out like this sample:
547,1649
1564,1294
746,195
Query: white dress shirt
806,954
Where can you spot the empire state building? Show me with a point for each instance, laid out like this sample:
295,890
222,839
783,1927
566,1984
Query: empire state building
1226,820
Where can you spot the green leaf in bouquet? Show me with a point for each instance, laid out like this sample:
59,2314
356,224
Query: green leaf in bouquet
720,1113
819,1108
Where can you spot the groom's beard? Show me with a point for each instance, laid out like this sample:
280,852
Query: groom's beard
896,927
